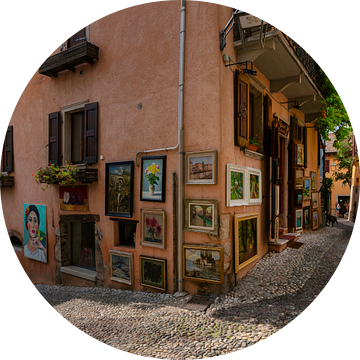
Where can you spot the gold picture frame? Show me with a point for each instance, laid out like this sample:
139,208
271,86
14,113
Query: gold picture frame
298,178
299,154
313,180
314,219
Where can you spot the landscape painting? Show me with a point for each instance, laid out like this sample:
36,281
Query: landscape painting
236,190
299,153
201,215
153,228
298,197
153,272
314,200
246,239
313,180
119,188
153,177
298,179
307,219
203,263
315,220
121,267
298,219
201,167
306,190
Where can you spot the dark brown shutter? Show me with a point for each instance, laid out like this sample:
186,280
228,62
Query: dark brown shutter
241,109
327,166
236,106
305,146
54,138
8,150
267,124
91,133
77,38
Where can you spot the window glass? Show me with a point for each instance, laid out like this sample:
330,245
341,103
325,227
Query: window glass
83,245
77,137
127,232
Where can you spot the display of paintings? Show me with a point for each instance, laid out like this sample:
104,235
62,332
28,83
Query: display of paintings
255,192
201,167
153,228
74,198
276,229
307,219
277,200
298,219
121,267
306,190
298,197
315,220
153,178
153,272
298,178
236,191
314,200
243,185
35,242
299,153
201,216
203,263
246,239
119,188
313,180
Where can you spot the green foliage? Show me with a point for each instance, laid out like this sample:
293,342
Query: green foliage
326,190
344,159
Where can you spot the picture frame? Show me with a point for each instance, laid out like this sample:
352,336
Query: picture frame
153,228
201,167
298,178
201,216
246,239
314,219
314,200
298,197
299,154
119,188
255,186
203,263
153,272
306,190
307,217
298,219
153,178
236,188
313,180
74,198
277,200
121,267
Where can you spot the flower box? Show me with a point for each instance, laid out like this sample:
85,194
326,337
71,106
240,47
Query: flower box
6,181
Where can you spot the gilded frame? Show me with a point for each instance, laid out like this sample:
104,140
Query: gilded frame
313,180
299,154
314,224
201,156
298,184
129,278
154,228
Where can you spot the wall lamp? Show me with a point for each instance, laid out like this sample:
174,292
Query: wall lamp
247,70
295,106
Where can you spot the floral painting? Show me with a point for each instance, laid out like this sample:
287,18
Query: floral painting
201,167
121,267
74,198
153,170
153,228
35,242
153,272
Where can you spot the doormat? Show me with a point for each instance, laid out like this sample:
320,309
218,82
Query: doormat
199,303
295,245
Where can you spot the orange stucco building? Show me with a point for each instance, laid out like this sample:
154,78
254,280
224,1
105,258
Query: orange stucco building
105,101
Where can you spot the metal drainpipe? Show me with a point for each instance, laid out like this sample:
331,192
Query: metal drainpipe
181,150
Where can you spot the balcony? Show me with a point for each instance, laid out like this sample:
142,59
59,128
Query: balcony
84,52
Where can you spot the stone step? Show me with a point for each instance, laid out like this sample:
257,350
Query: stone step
283,230
279,247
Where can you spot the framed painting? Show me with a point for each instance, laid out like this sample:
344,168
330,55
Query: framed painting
153,228
119,184
298,198
153,272
236,189
313,180
306,190
298,153
314,200
298,178
201,216
35,240
255,191
74,198
201,167
121,267
277,200
246,239
306,217
298,219
153,178
201,263
314,220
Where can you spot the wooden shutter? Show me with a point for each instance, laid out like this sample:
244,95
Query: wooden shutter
327,166
305,146
77,38
54,138
241,109
267,124
8,152
91,133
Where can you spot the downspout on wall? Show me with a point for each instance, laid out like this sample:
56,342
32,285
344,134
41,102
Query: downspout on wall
181,151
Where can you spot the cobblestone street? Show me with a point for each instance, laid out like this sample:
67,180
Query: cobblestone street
271,295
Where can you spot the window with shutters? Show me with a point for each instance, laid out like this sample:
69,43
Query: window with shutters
78,38
73,134
7,161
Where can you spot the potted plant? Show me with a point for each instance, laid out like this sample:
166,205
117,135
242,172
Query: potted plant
53,174
254,143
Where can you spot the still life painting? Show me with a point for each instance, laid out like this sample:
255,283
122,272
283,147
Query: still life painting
153,228
73,198
35,242
119,188
246,239
203,263
153,171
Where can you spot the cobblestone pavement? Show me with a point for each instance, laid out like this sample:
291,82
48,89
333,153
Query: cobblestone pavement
272,294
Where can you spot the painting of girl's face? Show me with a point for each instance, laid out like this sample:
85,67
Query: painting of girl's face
32,224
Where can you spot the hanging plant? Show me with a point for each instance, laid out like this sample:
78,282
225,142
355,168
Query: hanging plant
53,175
